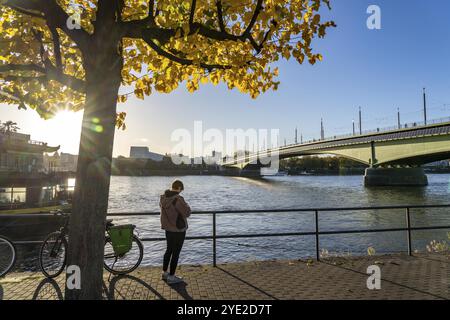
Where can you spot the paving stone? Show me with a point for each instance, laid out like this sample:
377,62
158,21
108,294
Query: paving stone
402,277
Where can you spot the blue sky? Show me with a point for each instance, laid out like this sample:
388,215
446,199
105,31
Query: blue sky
378,70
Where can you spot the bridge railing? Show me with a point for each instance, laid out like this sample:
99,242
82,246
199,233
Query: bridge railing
408,125
317,231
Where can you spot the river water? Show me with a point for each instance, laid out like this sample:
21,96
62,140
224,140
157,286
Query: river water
136,194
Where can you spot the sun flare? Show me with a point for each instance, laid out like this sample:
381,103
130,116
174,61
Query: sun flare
63,129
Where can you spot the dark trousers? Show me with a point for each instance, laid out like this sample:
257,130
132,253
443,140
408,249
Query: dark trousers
175,242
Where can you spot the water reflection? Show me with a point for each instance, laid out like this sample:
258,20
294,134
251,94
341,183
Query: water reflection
397,195
130,194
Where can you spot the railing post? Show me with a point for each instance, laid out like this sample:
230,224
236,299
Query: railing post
408,226
316,216
214,241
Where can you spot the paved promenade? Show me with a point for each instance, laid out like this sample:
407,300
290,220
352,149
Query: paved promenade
402,277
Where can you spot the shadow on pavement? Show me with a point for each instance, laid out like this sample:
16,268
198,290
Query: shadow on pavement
443,258
248,283
48,289
387,280
181,289
130,288
1,292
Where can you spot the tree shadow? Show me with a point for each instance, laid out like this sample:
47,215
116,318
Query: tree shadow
443,258
180,288
1,292
408,287
48,289
247,283
123,286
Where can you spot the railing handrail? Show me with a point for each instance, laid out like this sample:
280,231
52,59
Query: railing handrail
234,211
290,210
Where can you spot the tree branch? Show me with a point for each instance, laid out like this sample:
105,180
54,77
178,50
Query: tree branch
120,6
182,61
151,8
56,47
21,67
26,12
69,81
147,28
50,72
192,13
253,20
23,78
54,15
220,15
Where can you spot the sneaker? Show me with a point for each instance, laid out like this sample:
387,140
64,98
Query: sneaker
173,279
165,275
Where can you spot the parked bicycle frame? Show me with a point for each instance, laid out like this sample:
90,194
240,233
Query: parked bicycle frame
123,249
7,256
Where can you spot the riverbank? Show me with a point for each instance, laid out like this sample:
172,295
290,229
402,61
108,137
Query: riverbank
402,278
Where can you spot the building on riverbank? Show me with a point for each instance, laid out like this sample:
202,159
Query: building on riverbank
144,153
20,154
60,162
23,178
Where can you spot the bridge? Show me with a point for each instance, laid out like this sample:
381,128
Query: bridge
394,155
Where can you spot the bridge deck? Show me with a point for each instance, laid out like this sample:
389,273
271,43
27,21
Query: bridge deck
319,146
381,136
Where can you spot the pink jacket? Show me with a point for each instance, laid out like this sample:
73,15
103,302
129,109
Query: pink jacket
169,214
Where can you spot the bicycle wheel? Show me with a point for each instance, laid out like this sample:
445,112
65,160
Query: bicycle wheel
125,263
7,256
53,253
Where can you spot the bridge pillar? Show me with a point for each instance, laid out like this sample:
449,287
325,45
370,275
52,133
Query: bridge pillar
395,177
251,170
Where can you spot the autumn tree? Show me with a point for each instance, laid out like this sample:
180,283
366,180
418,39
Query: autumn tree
8,127
76,54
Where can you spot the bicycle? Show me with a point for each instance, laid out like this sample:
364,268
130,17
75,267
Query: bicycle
123,249
7,256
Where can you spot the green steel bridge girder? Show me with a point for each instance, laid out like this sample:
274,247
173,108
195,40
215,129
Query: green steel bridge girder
410,151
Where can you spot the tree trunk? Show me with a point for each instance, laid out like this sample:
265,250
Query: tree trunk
87,221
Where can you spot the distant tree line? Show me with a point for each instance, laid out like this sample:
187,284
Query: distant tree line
320,164
145,167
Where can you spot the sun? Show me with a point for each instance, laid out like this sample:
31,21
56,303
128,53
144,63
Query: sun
63,129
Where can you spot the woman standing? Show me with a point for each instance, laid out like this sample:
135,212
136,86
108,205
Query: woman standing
174,214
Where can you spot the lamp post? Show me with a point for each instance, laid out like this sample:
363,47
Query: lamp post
424,107
360,121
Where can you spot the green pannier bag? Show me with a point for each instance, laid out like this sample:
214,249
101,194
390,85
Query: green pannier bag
121,238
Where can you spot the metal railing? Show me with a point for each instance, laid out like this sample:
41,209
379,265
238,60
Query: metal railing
317,230
316,233
409,125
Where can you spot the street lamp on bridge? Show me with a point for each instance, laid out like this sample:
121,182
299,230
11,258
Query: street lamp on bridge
424,107
360,121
